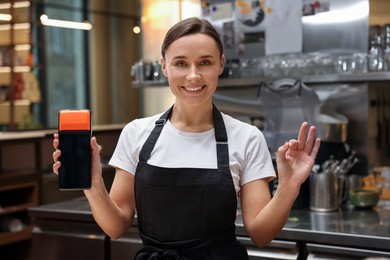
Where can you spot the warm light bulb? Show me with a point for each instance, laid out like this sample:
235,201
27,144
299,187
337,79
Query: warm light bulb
136,29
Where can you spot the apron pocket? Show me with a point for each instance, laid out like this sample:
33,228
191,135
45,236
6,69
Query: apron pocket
173,214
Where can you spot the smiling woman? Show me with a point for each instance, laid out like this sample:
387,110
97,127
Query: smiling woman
189,165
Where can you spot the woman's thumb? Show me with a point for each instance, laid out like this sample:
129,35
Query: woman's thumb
95,147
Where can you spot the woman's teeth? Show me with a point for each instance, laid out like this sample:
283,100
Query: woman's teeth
194,89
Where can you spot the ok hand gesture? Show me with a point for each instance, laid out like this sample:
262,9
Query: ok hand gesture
296,158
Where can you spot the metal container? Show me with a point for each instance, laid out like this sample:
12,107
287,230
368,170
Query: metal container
326,191
333,128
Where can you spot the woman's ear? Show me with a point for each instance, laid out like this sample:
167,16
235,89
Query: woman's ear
163,66
222,64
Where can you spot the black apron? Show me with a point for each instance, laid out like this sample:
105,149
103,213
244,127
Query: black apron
187,213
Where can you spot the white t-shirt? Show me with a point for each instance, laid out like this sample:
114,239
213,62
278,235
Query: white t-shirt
249,158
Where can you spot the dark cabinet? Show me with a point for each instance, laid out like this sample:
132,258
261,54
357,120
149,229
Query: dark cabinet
67,230
321,252
64,240
276,249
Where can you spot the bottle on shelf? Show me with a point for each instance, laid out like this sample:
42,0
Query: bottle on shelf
386,48
375,52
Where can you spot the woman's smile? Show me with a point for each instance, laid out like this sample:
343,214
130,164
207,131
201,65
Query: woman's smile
193,88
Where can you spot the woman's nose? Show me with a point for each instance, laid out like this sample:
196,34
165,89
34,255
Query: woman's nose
193,73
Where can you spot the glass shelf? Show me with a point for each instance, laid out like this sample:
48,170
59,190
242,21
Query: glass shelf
241,82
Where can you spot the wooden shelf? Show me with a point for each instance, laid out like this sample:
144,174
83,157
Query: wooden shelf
12,237
9,175
33,44
19,30
19,183
18,197
16,208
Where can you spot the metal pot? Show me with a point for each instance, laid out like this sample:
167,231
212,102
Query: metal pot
327,191
333,127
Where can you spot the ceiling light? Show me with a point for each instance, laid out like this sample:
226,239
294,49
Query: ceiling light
15,69
136,29
5,17
22,68
22,47
20,4
16,26
5,6
45,20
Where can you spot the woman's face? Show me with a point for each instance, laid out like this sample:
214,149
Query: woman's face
192,65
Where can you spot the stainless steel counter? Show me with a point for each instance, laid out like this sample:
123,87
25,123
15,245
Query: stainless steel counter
349,227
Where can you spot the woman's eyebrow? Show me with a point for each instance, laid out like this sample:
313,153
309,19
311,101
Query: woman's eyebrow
208,56
178,57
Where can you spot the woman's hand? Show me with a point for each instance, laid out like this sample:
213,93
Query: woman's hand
56,154
96,165
296,158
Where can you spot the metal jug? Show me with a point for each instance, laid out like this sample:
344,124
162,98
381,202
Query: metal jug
327,191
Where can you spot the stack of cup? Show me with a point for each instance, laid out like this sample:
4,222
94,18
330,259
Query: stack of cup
382,178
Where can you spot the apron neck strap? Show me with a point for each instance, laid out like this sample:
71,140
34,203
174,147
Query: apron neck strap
220,138
152,139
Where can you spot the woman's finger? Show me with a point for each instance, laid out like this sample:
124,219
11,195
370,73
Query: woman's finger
56,155
282,151
293,144
302,135
310,139
316,147
56,166
55,141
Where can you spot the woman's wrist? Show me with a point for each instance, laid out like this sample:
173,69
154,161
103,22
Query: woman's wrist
98,188
287,192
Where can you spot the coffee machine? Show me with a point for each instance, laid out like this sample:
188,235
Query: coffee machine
286,103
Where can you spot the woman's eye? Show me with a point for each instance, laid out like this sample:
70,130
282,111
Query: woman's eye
181,64
204,62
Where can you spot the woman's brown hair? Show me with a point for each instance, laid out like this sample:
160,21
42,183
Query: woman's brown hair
190,26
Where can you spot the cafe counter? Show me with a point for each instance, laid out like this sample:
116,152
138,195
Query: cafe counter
67,230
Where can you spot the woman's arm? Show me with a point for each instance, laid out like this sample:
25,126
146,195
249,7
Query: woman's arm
113,212
265,217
